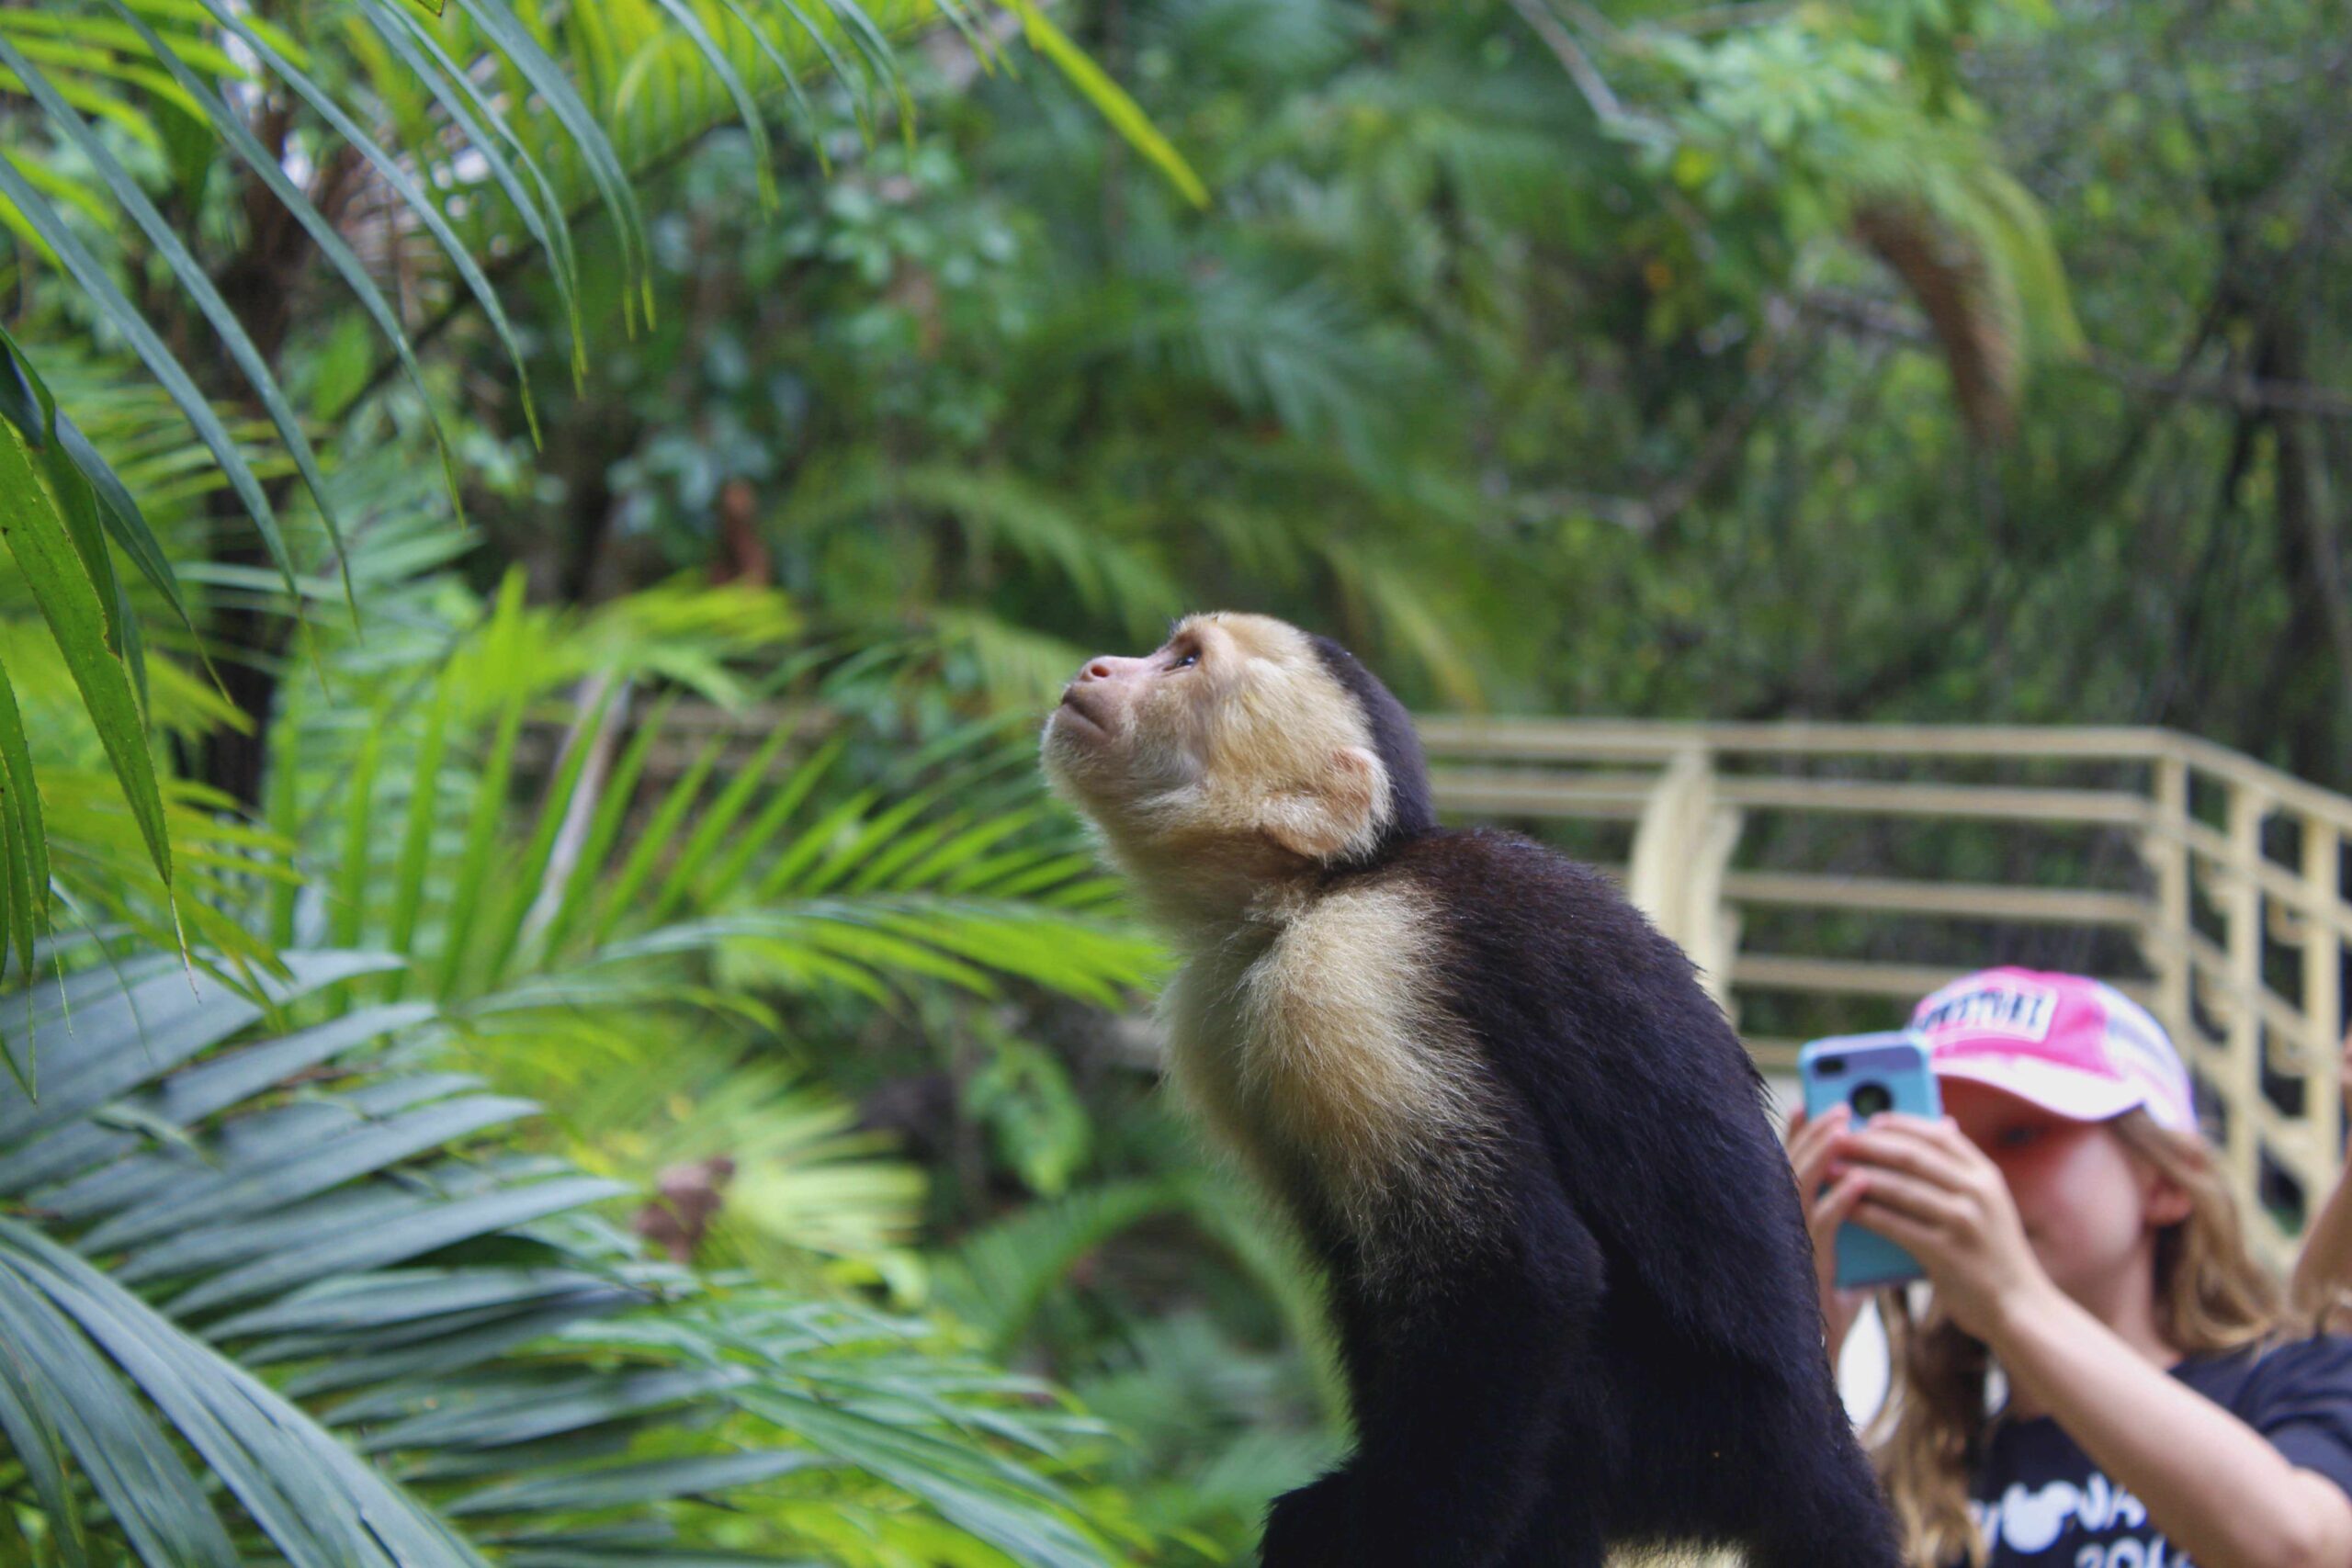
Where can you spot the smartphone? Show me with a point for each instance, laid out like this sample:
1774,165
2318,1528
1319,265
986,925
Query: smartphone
1868,1074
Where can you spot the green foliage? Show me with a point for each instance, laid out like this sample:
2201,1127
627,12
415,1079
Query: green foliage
1220,1415
1036,421
383,1241
490,129
1899,358
283,1191
49,522
467,1365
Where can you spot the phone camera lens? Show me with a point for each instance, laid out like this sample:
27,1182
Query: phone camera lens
1870,1098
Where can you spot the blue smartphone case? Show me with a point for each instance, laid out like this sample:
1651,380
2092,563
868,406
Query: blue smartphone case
1889,1072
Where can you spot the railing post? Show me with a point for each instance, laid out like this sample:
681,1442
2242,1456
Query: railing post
2164,847
1714,925
1681,845
2323,1001
1653,873
2242,1066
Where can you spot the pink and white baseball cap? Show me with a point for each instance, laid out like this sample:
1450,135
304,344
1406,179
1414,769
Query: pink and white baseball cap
2076,1047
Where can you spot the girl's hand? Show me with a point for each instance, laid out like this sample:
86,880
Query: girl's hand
1928,1188
1809,1152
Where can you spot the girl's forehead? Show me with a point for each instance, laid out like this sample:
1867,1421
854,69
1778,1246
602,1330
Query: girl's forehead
1967,1091
1991,1119
1965,1099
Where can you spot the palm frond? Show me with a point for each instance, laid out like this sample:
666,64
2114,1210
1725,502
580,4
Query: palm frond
496,120
191,275
996,1278
41,498
460,1354
1013,666
967,942
945,872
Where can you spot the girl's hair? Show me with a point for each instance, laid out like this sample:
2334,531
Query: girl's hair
2210,1295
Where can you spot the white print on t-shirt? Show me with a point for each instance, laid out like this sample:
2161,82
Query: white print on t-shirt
2157,1553
2028,1523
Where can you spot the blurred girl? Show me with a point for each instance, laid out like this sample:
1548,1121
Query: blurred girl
2099,1379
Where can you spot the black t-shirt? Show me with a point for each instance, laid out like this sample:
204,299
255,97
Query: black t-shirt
2042,1502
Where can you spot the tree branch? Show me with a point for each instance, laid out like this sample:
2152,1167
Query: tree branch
1572,58
2247,393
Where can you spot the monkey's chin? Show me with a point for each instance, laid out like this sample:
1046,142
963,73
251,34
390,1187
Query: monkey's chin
1070,719
1071,751
1075,741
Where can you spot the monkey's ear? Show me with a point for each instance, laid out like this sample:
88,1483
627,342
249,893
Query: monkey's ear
1340,811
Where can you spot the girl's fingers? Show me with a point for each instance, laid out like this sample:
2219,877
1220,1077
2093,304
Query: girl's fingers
1805,1130
1810,1141
1837,1307
1884,1219
1811,1159
1903,1147
1834,1207
1940,1130
1924,1203
1930,1125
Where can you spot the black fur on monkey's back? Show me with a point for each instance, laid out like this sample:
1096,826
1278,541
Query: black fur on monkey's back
1633,1353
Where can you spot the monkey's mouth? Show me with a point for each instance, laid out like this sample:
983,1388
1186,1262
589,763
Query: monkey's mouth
1077,705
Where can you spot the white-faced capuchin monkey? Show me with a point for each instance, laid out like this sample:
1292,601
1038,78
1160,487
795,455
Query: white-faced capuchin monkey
1567,1261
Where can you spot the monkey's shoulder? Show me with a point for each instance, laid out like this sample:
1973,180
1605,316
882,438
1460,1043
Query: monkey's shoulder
1593,1016
1504,874
1513,915
1322,1047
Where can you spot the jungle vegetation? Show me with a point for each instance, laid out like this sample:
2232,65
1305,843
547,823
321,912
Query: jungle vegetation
466,1103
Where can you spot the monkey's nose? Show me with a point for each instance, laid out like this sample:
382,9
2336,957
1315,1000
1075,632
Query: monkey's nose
1096,670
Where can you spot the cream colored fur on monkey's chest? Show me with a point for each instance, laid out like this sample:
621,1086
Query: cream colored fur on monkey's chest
1316,1045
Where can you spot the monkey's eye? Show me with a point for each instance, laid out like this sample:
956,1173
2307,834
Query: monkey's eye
1185,661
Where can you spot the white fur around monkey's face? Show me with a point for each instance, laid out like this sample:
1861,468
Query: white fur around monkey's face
1227,754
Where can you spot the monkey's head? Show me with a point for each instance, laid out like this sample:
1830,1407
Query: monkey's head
1241,750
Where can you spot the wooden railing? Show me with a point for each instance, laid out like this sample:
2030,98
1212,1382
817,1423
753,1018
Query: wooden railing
1825,876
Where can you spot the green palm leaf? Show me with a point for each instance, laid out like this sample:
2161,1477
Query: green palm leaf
24,847
399,179
579,124
1110,101
38,535
119,313
232,129
997,1277
312,1498
188,273
456,1350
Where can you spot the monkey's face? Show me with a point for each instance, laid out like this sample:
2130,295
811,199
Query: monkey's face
1229,748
